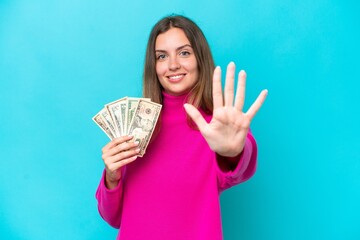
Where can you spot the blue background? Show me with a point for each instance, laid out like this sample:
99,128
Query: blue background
60,61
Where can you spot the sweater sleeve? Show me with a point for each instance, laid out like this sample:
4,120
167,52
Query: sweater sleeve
245,168
110,202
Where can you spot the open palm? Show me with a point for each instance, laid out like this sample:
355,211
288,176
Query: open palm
227,130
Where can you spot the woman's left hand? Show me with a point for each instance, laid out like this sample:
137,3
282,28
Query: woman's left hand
227,130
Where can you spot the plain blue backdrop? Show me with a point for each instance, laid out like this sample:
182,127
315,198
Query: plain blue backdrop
60,61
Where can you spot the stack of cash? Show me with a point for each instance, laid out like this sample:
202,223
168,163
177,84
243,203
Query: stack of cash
129,116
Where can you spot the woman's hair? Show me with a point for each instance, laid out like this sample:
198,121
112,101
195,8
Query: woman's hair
201,94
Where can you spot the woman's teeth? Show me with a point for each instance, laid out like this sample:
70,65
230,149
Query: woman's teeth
176,77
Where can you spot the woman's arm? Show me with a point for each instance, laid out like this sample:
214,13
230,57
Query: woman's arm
110,202
116,154
238,169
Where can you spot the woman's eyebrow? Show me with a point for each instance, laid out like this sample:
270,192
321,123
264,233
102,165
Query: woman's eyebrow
177,49
183,46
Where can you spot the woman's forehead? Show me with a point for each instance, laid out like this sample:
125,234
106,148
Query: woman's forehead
171,39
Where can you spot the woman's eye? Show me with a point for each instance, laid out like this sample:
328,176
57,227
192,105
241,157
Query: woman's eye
184,53
161,57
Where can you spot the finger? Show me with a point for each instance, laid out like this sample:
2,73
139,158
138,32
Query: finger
217,92
122,156
124,146
229,85
117,165
257,104
240,91
115,142
196,116
126,154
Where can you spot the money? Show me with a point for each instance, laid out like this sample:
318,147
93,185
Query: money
98,119
131,105
129,116
108,121
143,124
114,108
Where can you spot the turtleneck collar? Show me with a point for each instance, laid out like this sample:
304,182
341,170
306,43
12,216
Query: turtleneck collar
173,107
174,101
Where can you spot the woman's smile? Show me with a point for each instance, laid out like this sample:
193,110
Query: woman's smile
176,78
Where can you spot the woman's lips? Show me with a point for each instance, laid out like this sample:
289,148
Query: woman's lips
176,78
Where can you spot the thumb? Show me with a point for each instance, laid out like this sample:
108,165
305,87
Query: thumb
196,116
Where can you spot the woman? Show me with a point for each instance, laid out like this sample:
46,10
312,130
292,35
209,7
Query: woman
202,145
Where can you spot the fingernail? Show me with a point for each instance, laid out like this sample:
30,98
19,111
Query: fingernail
137,150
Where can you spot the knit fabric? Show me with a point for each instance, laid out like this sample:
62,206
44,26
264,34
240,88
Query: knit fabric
173,191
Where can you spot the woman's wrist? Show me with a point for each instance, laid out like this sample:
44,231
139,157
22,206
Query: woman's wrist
110,182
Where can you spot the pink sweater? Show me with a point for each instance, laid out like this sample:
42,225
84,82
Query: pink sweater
173,191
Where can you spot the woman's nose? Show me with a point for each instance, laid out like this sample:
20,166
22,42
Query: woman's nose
174,64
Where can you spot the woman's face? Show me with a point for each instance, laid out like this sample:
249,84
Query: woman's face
176,65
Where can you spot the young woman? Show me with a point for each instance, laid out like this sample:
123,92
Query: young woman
202,145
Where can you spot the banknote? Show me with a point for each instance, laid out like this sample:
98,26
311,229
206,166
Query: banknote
123,115
143,123
108,121
98,119
114,108
132,104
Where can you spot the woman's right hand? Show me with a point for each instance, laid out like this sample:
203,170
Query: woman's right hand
117,154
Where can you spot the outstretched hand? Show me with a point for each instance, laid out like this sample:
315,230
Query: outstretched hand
227,130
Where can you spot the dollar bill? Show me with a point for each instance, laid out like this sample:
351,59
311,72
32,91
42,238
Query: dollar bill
131,106
143,123
123,115
114,109
98,119
108,121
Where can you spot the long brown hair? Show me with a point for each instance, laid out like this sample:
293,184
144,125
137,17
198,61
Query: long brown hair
201,94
